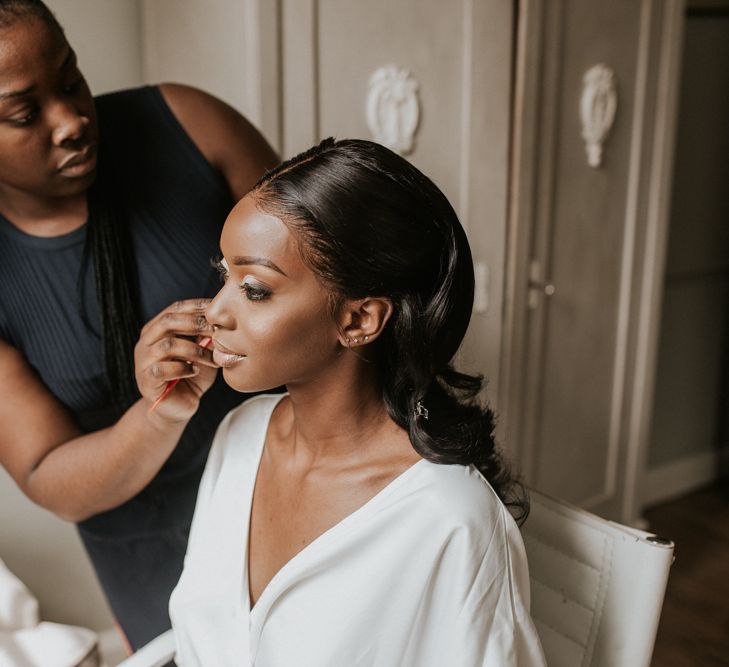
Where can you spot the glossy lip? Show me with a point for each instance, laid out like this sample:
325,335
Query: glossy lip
80,162
225,357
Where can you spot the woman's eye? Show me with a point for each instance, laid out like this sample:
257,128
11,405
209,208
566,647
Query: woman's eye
255,292
25,120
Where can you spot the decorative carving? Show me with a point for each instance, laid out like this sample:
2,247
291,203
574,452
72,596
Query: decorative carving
598,104
393,108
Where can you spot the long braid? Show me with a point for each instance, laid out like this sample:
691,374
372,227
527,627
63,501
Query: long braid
108,243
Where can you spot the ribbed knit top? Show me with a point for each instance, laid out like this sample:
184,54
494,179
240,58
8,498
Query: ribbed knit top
176,205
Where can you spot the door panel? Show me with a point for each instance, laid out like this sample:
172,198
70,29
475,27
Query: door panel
595,236
585,256
460,56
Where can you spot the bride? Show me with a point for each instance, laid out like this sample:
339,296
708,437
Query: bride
361,518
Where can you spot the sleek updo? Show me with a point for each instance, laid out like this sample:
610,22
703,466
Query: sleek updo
371,224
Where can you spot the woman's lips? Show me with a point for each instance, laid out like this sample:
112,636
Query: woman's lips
225,357
80,163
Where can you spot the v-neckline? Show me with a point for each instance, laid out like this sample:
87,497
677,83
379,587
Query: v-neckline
316,543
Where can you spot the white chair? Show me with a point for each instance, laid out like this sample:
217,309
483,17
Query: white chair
155,654
597,586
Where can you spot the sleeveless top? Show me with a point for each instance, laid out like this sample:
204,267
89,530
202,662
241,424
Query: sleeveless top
176,204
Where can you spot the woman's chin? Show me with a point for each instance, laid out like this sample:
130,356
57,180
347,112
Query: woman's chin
246,385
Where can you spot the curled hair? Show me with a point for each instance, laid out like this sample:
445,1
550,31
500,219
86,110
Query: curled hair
371,224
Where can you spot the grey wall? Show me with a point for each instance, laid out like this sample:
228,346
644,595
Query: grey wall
198,43
107,37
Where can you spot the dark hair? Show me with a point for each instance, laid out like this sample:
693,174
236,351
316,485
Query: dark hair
372,224
12,10
108,246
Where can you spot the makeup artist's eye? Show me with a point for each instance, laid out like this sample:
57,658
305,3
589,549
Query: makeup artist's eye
254,291
25,120
218,263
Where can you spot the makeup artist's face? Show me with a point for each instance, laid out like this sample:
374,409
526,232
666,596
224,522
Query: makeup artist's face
48,132
272,319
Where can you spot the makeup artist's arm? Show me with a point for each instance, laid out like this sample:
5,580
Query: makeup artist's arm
228,141
78,475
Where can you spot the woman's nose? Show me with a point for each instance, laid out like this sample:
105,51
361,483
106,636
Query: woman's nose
217,314
68,124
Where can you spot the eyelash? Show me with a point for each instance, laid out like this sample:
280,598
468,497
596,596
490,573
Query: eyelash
252,292
26,120
217,264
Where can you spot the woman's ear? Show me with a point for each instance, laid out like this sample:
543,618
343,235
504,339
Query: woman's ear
361,321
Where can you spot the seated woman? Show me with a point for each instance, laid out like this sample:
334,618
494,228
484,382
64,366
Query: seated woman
359,519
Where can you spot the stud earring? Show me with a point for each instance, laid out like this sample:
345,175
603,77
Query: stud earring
366,338
356,341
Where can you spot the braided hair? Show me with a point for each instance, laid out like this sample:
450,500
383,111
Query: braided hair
371,224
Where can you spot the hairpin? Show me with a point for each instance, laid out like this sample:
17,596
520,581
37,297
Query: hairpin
421,410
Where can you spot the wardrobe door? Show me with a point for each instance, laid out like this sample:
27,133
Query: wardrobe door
594,126
432,80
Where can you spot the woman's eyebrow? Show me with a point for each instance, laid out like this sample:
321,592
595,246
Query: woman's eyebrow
16,93
245,261
70,58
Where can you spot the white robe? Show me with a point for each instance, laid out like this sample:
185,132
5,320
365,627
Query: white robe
429,572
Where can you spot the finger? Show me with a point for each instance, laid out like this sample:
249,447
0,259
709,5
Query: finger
180,324
184,307
157,375
174,348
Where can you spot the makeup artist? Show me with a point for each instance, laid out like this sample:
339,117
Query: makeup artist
110,210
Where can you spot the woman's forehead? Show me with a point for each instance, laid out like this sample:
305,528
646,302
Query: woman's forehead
252,231
27,42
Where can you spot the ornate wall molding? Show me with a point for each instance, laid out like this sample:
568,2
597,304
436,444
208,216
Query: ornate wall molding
598,104
393,108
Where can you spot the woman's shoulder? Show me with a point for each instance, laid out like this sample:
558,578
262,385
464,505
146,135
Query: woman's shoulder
456,486
459,498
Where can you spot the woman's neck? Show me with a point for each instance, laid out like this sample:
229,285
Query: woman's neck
346,420
45,217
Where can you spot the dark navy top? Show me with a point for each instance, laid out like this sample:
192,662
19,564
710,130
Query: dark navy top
176,205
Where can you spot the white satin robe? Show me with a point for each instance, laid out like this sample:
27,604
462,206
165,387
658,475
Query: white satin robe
431,572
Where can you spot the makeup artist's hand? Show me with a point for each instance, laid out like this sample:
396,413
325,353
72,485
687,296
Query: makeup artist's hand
167,351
